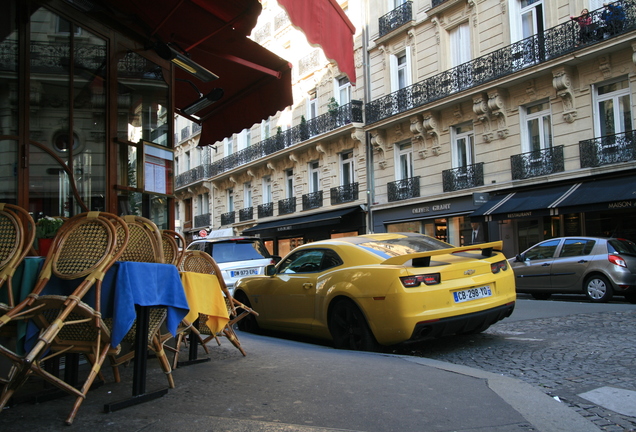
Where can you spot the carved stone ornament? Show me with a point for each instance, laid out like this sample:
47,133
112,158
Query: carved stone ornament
605,66
382,164
321,149
357,135
378,141
563,86
497,107
481,110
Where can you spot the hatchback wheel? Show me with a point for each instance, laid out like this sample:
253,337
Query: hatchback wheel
349,328
598,289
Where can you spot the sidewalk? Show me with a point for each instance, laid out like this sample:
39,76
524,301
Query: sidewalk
290,386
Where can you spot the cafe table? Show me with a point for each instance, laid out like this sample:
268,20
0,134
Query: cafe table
129,290
204,296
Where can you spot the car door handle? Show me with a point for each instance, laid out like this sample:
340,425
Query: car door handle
582,261
308,285
545,264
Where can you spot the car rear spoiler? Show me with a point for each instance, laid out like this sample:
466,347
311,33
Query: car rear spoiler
423,259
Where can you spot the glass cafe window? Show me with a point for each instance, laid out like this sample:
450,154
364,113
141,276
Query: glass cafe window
67,155
145,161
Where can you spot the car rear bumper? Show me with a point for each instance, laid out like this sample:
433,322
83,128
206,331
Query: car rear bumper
461,323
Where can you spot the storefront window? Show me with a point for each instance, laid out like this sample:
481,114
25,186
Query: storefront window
413,226
67,101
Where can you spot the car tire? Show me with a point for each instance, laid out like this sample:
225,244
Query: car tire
541,296
631,298
248,323
349,328
598,289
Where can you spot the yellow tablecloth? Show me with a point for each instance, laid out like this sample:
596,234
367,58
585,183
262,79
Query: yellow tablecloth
204,296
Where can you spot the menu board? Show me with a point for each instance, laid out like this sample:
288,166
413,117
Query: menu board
158,169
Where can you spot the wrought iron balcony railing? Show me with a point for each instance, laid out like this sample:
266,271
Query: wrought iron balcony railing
194,175
436,3
537,163
286,206
344,193
404,189
202,220
228,218
465,177
312,200
554,42
246,214
608,149
396,18
185,132
265,210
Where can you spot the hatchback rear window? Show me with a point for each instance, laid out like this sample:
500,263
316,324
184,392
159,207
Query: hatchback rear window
621,246
223,252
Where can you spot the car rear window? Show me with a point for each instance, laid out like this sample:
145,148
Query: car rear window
621,246
240,250
402,246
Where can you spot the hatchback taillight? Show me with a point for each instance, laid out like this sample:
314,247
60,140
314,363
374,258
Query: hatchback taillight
501,265
417,280
615,259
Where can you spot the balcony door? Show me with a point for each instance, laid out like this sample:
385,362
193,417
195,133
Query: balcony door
404,162
463,146
613,108
538,128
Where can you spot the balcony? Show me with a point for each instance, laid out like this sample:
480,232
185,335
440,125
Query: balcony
537,163
202,220
404,189
287,206
344,115
465,177
265,210
396,18
228,218
185,133
609,149
246,214
552,43
312,200
344,193
199,173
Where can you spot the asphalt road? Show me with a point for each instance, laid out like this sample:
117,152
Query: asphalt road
565,346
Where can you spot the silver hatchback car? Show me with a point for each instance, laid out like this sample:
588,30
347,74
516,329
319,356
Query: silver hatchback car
597,267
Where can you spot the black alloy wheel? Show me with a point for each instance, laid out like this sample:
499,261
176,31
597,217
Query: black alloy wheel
349,328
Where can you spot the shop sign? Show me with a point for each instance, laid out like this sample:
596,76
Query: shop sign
519,215
284,228
434,208
480,198
621,205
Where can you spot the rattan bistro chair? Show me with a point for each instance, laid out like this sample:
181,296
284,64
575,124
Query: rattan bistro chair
144,245
173,245
202,262
83,250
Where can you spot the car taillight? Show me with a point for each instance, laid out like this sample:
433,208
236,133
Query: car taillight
615,259
501,265
417,280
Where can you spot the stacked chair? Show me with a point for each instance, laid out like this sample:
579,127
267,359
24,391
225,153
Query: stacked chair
85,247
145,244
173,245
201,262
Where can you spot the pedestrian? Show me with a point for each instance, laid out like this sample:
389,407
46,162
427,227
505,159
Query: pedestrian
585,26
614,18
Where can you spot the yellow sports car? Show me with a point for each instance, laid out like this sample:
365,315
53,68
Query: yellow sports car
381,289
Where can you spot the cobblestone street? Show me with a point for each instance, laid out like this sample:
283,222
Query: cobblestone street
564,356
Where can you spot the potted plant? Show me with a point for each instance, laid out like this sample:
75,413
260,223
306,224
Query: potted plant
304,128
45,230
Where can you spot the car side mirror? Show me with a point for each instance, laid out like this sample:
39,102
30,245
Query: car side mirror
270,270
519,258
276,259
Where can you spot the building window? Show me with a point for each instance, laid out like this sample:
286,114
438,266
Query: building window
460,51
346,168
265,130
247,195
537,133
314,178
463,146
267,190
230,200
177,168
312,105
344,90
613,108
244,139
229,146
187,161
400,70
404,162
289,183
527,19
206,203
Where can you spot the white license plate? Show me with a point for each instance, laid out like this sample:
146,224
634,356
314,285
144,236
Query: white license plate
244,272
472,294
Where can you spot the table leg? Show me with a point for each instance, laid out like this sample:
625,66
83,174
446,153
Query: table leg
139,394
193,352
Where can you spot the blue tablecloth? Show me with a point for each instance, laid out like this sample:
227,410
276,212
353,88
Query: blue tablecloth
125,285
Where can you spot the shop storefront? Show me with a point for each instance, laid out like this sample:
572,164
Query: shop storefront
284,234
447,220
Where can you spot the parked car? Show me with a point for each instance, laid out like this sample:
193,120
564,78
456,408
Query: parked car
597,267
381,289
237,257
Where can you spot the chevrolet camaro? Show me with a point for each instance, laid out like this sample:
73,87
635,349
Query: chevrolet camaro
381,289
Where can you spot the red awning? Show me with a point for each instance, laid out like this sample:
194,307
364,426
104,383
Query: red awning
256,82
325,23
